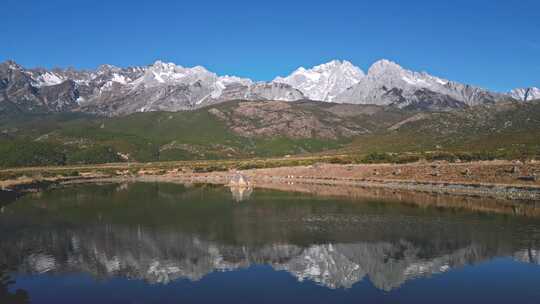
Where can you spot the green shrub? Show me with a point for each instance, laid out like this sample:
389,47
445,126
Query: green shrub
441,155
339,160
466,156
485,155
94,155
70,173
23,153
377,158
407,158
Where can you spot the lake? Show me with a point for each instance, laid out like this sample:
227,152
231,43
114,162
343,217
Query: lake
172,243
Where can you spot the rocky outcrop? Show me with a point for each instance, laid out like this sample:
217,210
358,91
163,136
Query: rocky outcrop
271,119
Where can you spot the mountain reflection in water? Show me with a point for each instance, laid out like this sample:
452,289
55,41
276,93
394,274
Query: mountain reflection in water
163,232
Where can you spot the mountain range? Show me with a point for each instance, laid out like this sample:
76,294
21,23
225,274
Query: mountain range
114,91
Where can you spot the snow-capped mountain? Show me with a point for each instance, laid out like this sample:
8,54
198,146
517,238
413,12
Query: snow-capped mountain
324,82
525,94
24,90
43,77
162,73
387,83
161,86
111,90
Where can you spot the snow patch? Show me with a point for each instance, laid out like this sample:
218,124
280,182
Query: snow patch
119,79
49,79
324,82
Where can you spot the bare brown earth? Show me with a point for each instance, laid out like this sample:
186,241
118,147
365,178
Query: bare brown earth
487,172
30,183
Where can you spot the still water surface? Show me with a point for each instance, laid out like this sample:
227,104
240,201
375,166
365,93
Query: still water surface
167,243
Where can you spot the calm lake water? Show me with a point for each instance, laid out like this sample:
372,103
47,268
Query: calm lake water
168,243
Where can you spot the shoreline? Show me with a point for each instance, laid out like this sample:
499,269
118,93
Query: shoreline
489,179
496,191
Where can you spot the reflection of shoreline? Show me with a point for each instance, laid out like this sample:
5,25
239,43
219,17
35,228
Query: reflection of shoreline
162,257
422,199
405,196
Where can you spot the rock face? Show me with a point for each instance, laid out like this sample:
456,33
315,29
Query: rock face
17,92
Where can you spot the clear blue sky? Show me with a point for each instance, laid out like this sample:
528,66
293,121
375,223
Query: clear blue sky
493,44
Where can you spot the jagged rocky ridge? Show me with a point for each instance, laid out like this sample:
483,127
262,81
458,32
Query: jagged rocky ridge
111,90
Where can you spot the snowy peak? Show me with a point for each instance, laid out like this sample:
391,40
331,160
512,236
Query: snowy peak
387,83
107,68
11,65
390,71
49,79
172,68
158,64
525,94
324,82
336,65
168,73
233,79
384,66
